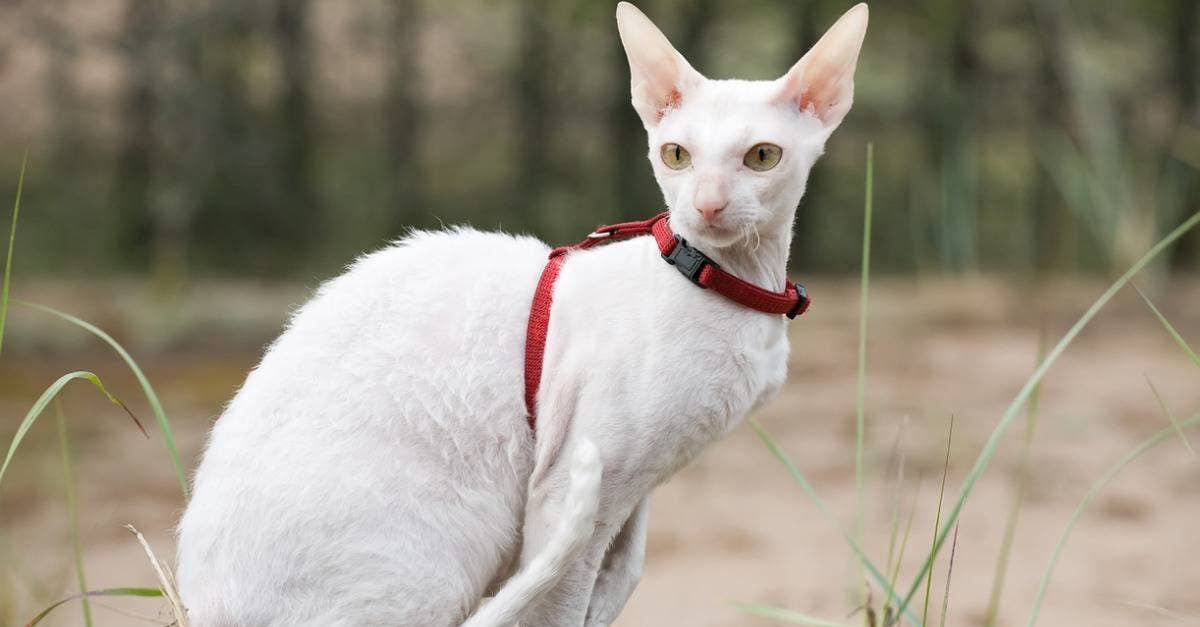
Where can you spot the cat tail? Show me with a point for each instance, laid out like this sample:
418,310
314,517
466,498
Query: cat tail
572,534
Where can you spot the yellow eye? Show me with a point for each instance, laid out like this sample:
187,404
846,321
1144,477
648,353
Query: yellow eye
676,157
763,157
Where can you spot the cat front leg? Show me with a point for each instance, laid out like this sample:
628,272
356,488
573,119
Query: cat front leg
621,569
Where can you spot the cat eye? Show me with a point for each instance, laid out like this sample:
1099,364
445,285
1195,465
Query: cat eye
763,157
676,157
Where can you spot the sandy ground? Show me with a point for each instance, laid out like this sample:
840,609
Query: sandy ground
733,526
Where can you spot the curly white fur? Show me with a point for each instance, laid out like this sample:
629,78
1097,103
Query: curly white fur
376,468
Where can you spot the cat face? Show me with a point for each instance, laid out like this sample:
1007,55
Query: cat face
732,157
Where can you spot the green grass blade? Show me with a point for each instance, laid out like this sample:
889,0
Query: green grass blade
1010,526
894,530
160,415
1170,328
72,510
12,239
937,520
861,392
949,575
993,442
45,399
787,616
1170,416
1112,472
895,572
108,592
802,481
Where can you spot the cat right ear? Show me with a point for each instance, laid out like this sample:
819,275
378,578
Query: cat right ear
823,81
659,76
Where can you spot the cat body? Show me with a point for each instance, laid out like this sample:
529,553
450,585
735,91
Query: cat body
377,467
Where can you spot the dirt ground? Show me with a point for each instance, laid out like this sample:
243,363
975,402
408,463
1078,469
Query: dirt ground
733,526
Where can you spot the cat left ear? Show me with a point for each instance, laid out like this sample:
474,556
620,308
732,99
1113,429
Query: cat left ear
659,76
823,81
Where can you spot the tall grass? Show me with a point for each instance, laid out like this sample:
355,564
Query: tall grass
993,442
937,520
160,415
1028,394
51,394
801,480
861,391
1146,445
1175,335
44,400
12,240
1014,512
72,510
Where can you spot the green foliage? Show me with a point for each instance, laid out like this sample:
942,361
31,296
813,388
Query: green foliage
107,592
1010,526
798,476
861,392
1014,407
160,415
787,616
1105,479
1187,349
1027,394
12,239
40,405
72,510
937,520
1012,145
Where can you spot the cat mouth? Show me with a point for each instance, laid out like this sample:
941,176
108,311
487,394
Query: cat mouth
720,235
720,230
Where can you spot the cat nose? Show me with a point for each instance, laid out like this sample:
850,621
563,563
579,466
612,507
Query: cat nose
710,198
710,210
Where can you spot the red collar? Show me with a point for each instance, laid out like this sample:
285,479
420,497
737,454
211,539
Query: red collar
693,264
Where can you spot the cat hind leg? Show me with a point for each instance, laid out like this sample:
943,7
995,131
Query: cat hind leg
572,533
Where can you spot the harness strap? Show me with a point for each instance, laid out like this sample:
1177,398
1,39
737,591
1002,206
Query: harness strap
693,264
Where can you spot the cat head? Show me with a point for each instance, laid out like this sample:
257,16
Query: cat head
732,157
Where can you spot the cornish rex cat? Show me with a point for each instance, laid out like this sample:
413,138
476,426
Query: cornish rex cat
377,467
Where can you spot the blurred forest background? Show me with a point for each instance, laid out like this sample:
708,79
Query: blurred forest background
196,167
279,138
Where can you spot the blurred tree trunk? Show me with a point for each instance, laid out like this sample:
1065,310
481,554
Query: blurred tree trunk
805,16
61,53
135,153
402,109
1185,45
694,27
957,142
633,189
295,110
533,118
1055,242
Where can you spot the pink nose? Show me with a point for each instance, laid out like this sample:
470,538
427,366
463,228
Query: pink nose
711,209
710,198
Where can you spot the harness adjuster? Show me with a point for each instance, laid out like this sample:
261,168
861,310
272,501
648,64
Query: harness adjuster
688,261
802,302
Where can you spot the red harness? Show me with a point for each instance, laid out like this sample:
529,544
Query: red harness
693,264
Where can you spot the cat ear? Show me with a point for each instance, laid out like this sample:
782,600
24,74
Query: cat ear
824,78
659,76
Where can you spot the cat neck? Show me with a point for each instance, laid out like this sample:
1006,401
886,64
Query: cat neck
759,259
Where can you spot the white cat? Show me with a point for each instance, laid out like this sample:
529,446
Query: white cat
377,467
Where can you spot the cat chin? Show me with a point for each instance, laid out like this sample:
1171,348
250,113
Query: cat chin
717,237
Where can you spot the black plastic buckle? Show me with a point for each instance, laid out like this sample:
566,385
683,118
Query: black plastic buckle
687,260
802,302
